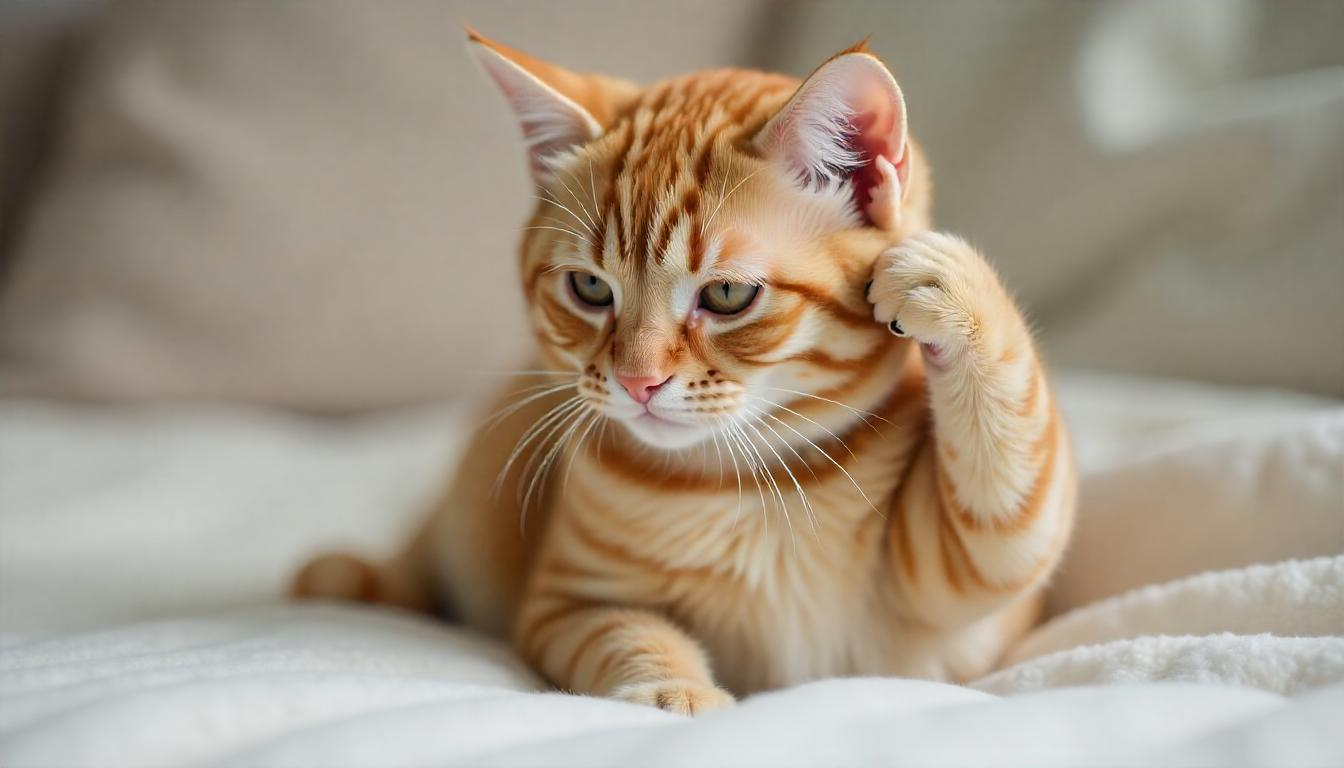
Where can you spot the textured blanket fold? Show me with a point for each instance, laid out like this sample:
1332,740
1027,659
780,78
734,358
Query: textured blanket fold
1183,632
1276,627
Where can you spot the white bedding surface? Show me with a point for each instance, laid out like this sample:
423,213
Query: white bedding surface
141,552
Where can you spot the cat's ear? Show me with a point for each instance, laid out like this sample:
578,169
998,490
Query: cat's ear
556,108
846,125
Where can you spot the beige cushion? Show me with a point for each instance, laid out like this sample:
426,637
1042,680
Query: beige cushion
38,44
1162,184
311,204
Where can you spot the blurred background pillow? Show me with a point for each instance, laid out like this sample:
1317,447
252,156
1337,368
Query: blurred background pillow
315,204
307,203
39,46
1161,183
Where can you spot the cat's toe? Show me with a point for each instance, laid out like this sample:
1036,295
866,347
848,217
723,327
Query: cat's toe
684,697
931,286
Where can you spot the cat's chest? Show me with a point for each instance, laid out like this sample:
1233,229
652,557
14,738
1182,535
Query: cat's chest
790,613
777,590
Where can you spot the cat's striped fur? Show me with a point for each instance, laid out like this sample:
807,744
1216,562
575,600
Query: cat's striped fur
832,499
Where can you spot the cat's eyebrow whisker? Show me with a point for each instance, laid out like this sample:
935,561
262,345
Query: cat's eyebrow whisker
553,200
573,174
580,240
579,200
562,223
580,237
730,194
727,172
592,188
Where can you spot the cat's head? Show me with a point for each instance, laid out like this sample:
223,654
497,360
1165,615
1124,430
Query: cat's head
700,246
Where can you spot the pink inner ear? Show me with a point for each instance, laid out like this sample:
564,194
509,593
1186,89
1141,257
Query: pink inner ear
870,142
550,121
875,132
847,124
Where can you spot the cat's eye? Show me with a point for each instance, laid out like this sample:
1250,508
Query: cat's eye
591,289
727,298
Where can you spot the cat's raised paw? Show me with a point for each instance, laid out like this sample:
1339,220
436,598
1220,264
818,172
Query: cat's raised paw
935,288
684,697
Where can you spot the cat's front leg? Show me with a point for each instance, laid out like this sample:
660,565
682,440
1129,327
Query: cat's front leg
626,653
986,510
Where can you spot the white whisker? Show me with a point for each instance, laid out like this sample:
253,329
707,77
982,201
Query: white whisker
556,201
561,223
592,188
601,437
862,414
532,432
799,488
822,427
508,410
569,468
829,458
538,480
807,503
732,432
581,238
776,494
582,207
737,472
718,452
724,198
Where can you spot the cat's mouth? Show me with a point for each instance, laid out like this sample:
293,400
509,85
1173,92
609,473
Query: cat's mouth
662,432
649,417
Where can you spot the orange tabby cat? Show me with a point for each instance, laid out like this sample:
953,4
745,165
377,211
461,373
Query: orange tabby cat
784,432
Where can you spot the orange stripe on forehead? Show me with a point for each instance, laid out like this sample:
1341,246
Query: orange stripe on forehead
668,138
696,246
621,157
686,208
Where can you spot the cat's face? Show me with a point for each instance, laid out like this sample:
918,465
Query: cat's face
700,249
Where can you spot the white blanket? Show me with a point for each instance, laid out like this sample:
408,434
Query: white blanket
140,554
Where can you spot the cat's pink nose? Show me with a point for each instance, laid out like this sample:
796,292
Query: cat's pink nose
641,388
